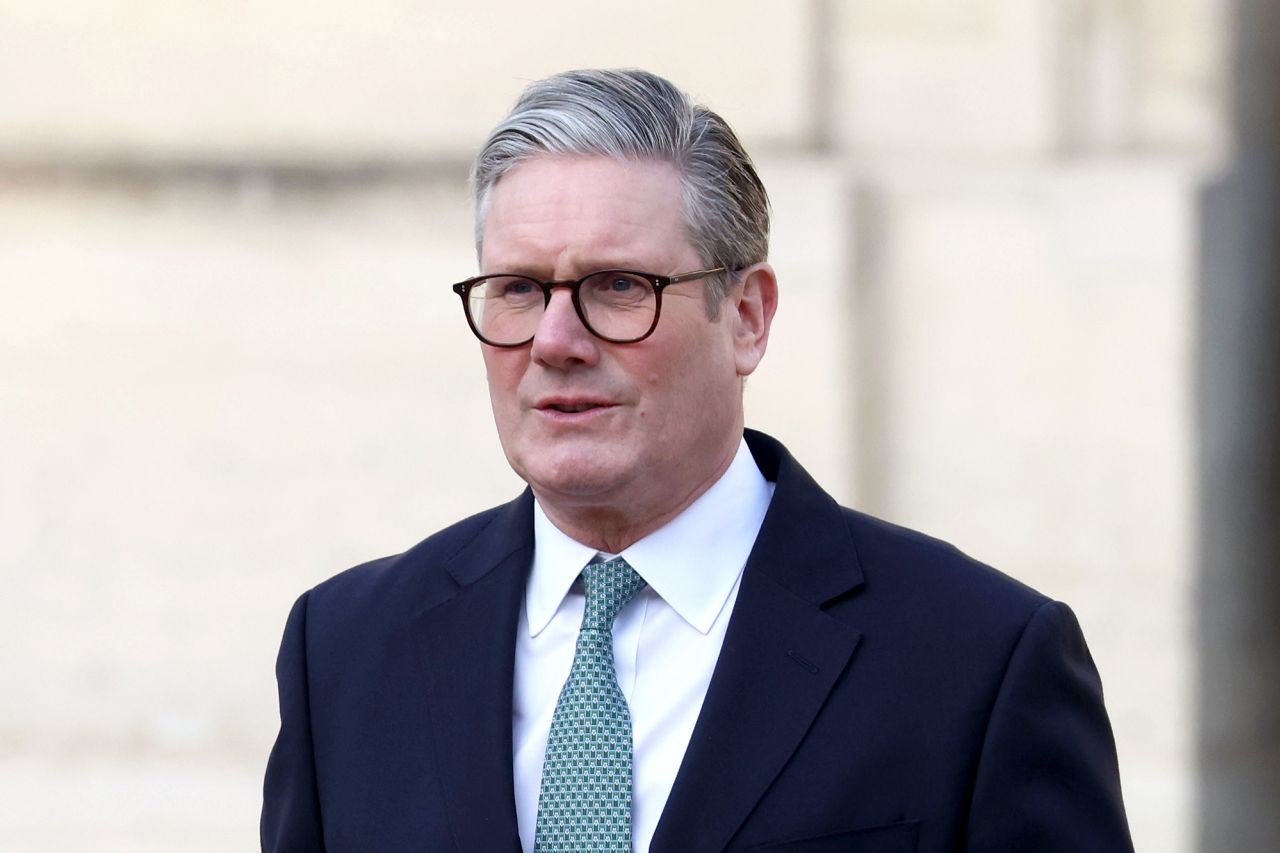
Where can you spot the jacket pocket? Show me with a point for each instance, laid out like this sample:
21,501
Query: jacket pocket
891,838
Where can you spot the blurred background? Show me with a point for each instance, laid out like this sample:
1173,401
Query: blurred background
1029,265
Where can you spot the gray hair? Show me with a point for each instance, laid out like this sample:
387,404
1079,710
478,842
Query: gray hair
632,114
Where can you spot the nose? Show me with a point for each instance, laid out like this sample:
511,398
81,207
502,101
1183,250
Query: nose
562,340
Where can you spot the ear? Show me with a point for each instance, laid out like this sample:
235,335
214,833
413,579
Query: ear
753,301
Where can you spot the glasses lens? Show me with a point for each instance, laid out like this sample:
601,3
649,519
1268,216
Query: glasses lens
619,305
506,308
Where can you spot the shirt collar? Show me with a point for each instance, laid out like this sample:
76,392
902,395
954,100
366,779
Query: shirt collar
692,562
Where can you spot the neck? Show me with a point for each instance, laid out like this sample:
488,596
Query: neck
610,529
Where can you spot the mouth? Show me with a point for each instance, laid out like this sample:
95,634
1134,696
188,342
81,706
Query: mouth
571,406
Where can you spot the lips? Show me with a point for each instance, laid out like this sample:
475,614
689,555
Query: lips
571,405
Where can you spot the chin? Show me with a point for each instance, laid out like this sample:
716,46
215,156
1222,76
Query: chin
572,476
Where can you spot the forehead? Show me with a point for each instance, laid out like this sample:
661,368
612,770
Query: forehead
563,212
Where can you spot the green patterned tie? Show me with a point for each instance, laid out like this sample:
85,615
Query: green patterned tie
585,801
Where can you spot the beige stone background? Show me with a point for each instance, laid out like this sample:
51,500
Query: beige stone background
1027,256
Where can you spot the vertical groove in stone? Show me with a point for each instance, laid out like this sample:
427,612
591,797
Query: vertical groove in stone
1238,595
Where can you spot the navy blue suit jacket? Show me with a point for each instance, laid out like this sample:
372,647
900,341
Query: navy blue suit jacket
877,691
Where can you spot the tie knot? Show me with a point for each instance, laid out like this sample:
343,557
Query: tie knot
610,584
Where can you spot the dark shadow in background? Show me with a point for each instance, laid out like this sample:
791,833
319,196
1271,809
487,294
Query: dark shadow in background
1238,597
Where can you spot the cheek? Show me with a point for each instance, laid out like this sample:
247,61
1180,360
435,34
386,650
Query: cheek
686,378
503,375
501,370
662,397
679,400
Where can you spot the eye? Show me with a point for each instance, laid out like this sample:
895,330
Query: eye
613,287
510,288
518,287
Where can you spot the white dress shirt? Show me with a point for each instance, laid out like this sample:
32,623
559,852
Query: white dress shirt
665,641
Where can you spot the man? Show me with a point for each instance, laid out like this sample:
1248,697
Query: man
674,640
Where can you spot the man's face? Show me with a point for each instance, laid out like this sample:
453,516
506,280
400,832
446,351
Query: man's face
598,427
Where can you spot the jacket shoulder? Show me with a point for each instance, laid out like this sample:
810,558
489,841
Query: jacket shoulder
401,584
935,576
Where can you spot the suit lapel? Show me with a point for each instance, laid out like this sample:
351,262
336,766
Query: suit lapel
781,656
466,645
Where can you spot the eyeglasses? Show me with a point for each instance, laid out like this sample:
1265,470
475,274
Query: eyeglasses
619,306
